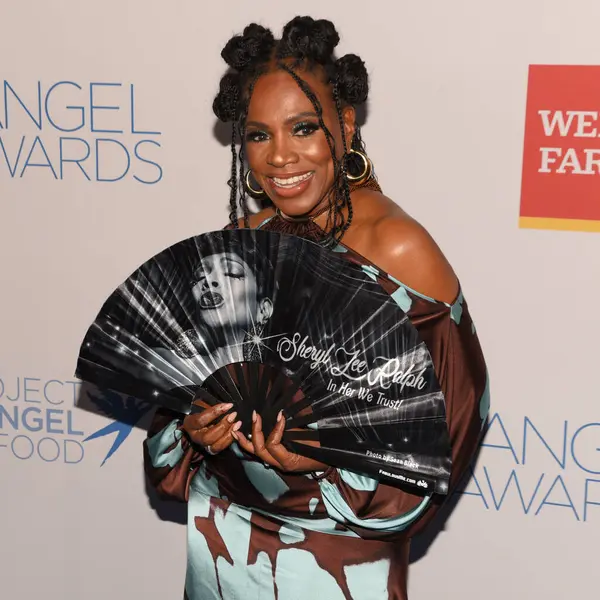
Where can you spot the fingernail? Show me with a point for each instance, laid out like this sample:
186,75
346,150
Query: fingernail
254,416
280,416
237,426
226,406
231,417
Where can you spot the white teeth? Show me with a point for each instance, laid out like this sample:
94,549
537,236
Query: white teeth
291,181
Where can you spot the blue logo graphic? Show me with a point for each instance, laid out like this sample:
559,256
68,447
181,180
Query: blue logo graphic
78,131
536,470
126,413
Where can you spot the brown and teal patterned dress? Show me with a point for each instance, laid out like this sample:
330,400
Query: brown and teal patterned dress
255,533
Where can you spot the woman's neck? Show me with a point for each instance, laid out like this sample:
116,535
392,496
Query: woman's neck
318,222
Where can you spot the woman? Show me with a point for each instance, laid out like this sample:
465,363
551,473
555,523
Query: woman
265,523
231,293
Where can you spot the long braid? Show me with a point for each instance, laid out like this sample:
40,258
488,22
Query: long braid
347,202
232,181
242,153
338,216
309,45
243,198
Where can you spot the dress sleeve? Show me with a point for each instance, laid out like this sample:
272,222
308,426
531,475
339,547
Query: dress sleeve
376,510
170,460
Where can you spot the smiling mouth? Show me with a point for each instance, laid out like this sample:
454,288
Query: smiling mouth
290,182
211,300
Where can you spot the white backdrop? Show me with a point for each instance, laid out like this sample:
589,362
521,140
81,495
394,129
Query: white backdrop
445,130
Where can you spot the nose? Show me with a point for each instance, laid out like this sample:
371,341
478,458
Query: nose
281,152
210,282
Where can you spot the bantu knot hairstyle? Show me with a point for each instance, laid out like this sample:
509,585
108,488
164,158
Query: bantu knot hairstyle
305,44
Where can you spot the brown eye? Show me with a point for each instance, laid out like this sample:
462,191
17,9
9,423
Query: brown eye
256,136
305,129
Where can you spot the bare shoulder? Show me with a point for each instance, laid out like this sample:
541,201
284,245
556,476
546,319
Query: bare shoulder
394,241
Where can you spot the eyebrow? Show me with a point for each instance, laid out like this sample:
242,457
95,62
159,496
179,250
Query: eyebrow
289,120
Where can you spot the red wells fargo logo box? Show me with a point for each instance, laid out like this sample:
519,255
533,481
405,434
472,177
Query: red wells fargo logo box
560,186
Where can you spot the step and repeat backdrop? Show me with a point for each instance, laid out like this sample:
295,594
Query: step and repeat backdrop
483,123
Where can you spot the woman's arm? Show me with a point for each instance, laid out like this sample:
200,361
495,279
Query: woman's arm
170,460
372,509
404,250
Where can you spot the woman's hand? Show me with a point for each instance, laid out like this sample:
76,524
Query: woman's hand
214,438
272,451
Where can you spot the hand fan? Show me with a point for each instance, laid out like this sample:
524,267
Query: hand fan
271,322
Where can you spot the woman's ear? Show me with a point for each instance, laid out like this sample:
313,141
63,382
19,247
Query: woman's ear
265,310
349,120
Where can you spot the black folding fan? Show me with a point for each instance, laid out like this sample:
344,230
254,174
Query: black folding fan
272,322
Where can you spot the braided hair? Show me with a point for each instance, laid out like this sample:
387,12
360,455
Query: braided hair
305,44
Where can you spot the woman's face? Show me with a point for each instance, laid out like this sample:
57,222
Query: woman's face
287,150
226,291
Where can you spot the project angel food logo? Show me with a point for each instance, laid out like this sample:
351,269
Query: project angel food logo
538,468
78,131
561,159
39,420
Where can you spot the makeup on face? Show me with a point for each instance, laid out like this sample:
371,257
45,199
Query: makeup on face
286,147
225,290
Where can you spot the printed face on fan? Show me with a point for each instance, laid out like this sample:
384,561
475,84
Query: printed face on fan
286,148
226,291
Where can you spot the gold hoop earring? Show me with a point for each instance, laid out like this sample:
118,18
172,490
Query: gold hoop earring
249,187
366,173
